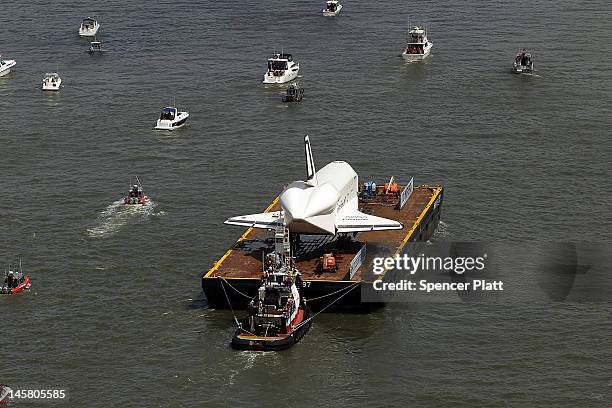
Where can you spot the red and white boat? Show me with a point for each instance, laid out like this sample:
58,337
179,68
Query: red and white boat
278,315
15,282
136,195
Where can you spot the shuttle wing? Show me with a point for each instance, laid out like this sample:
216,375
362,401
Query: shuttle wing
262,220
360,222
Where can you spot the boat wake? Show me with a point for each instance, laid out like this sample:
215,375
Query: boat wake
442,231
531,74
245,360
117,215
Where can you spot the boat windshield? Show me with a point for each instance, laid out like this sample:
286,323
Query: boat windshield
277,65
168,114
416,37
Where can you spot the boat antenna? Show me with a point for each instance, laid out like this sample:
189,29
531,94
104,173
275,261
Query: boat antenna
20,271
139,183
408,31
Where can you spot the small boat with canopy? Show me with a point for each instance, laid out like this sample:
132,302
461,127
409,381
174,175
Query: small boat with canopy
51,82
294,93
418,46
136,194
171,118
6,65
523,62
281,68
95,47
14,282
332,8
89,27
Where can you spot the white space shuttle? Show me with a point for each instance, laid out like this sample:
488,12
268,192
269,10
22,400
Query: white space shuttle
326,203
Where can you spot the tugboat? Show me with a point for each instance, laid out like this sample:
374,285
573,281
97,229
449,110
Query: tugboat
136,195
15,282
89,27
6,65
278,314
95,47
281,68
332,8
418,46
523,64
295,93
51,82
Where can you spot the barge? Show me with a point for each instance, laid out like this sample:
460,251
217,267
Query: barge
235,278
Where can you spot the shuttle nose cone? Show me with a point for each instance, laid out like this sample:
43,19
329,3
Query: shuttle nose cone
301,202
293,201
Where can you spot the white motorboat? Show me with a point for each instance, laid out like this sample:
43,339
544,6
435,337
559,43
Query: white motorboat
418,46
171,119
95,47
51,82
89,27
523,63
332,8
6,65
281,68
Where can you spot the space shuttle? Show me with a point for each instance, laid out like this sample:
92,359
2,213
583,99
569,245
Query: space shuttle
326,203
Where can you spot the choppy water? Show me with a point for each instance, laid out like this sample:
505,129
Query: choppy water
111,315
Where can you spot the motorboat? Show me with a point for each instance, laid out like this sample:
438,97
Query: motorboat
332,8
418,46
6,65
51,82
14,282
281,68
136,195
95,47
89,27
171,118
523,62
294,93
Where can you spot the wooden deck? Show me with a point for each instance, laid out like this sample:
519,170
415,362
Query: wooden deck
244,259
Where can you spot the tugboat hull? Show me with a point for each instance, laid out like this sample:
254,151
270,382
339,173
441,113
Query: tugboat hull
246,341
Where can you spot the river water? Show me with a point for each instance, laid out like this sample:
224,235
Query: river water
115,314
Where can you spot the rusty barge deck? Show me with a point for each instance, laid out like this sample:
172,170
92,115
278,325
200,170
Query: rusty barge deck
237,273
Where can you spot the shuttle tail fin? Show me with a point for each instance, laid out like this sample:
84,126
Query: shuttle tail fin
311,172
